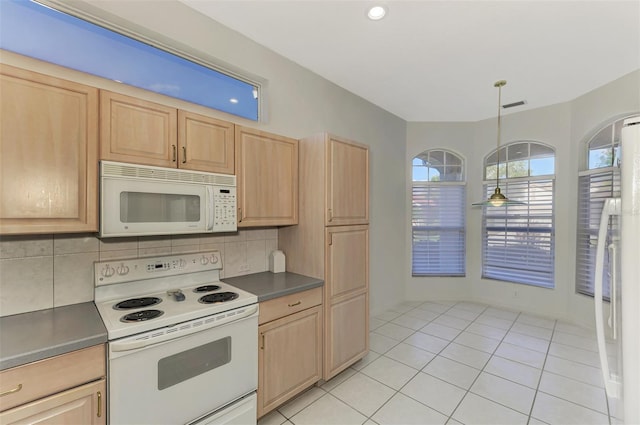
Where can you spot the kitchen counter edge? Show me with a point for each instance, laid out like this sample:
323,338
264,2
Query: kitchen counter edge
267,285
37,335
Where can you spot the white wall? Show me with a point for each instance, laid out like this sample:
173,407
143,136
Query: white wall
566,127
298,103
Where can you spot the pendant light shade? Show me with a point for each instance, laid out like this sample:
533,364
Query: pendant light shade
497,199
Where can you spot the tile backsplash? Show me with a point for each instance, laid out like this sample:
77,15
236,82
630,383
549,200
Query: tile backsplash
45,271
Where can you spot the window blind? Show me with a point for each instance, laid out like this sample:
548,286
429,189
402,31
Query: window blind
593,188
438,229
518,243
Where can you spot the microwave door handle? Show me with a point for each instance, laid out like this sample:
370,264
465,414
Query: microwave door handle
210,207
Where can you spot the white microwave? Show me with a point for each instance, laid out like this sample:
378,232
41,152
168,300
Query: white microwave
139,200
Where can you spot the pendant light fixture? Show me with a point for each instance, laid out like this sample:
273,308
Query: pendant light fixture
497,199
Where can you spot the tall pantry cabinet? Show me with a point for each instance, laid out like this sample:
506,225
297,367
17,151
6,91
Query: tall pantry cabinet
331,242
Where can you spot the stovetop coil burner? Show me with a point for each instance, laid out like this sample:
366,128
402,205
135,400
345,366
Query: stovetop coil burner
218,297
137,303
141,316
206,288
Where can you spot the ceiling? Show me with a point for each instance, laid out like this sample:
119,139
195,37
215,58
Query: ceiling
438,60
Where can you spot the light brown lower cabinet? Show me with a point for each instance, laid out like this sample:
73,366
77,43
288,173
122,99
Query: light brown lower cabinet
85,404
65,389
346,334
290,351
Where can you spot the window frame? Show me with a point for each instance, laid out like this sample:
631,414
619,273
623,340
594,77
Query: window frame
453,194
231,84
588,221
531,219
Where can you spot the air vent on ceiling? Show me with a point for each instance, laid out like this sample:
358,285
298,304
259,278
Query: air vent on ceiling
514,104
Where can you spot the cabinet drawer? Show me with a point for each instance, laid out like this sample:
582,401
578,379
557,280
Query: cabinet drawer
84,405
288,304
49,376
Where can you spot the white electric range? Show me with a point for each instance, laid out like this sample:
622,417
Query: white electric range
182,344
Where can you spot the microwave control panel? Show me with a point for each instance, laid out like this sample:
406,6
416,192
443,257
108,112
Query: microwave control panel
225,216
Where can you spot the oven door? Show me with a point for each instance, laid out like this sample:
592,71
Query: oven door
183,379
135,207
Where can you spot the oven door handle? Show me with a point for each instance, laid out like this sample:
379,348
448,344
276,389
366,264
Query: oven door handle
181,329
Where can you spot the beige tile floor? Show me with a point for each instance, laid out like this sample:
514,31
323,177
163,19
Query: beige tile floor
461,363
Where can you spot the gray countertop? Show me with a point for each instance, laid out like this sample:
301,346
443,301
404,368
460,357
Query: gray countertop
267,285
29,337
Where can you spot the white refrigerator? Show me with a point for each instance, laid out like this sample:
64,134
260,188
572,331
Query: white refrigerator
621,365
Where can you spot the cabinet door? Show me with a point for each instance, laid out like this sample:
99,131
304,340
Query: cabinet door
81,405
205,143
347,261
137,131
267,178
346,334
346,297
289,358
49,152
347,183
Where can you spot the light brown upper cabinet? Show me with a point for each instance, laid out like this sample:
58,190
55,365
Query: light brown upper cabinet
205,143
267,178
347,182
49,154
142,132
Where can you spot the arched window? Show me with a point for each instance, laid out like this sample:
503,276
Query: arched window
598,180
438,214
518,240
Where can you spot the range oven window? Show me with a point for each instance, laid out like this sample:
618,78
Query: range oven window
145,207
190,363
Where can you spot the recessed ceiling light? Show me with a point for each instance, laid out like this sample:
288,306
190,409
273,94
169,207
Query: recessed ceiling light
376,13
233,100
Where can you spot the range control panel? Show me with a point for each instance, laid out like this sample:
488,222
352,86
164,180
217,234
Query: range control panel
118,271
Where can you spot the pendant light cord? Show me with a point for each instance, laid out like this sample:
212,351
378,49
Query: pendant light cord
499,85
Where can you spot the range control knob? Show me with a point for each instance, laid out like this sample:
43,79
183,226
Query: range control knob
182,263
107,271
214,259
204,260
122,270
